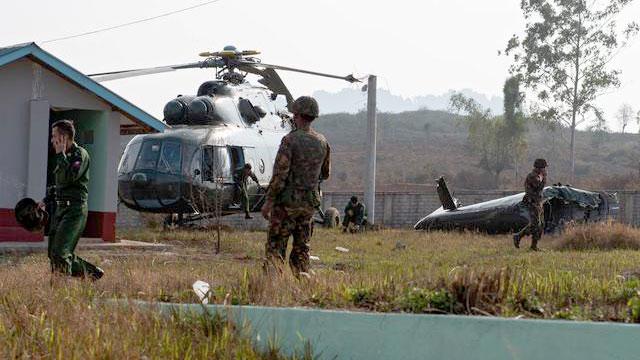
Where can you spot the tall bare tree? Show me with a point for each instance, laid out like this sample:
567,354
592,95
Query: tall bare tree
564,57
624,116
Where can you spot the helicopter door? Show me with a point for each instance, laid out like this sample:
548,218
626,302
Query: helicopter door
252,156
237,157
215,164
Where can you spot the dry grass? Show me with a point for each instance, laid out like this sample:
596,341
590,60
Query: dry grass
601,236
462,273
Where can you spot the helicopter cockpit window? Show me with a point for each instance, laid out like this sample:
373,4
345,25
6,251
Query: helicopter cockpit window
170,158
215,163
129,157
148,157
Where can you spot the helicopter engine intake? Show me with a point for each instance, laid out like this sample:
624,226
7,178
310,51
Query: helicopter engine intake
191,110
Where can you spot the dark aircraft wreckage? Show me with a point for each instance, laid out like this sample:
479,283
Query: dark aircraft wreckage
562,204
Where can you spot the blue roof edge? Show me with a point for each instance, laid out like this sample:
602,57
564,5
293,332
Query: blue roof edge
83,81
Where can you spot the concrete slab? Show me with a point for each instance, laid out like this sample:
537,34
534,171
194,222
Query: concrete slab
84,244
338,334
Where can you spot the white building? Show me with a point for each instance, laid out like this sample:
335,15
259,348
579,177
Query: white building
37,89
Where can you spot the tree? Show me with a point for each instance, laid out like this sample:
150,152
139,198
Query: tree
515,121
599,129
624,116
564,55
487,135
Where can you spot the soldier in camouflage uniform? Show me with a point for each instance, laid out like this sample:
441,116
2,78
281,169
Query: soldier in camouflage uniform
71,176
533,200
302,161
242,175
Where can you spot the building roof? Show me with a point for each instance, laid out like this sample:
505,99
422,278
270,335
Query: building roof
31,50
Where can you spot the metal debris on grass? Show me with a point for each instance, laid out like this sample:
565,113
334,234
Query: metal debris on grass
202,290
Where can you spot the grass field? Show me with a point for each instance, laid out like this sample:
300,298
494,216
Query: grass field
387,270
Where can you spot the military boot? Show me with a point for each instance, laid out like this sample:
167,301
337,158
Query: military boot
534,245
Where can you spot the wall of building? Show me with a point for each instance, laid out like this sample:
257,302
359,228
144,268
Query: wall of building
15,91
23,83
404,209
393,209
28,92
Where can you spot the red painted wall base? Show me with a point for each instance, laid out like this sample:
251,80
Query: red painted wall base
10,230
99,225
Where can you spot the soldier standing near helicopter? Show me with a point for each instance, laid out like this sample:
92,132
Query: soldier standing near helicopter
242,176
533,200
302,160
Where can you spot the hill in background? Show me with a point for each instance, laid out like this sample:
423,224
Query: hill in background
416,147
353,100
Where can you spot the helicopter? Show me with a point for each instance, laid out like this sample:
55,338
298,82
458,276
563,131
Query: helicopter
189,171
563,204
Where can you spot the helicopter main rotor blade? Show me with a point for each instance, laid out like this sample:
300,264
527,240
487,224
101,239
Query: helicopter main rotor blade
350,78
123,74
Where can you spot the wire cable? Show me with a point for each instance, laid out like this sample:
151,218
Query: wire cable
131,23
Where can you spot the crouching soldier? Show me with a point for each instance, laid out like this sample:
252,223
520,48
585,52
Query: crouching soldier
354,215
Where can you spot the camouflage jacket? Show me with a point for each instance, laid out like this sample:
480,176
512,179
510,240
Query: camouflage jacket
533,186
242,175
71,174
303,160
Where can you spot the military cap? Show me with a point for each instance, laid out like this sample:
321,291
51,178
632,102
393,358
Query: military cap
306,105
540,163
30,216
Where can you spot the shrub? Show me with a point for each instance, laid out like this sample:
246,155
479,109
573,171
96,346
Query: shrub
422,300
599,236
360,296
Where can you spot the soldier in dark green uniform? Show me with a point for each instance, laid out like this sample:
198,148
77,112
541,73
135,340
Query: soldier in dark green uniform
71,177
242,175
353,214
533,200
302,161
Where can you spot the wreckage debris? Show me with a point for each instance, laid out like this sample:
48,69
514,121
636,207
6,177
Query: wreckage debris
202,290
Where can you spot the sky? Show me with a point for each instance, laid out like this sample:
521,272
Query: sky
414,47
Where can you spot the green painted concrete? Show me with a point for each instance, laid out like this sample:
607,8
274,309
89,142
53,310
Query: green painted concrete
97,123
355,335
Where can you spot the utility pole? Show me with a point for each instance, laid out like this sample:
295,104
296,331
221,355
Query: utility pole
370,176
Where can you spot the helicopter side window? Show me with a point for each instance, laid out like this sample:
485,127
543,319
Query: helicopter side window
215,163
148,157
249,113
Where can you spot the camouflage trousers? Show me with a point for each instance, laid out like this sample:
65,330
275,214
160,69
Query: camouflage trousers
285,222
536,223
